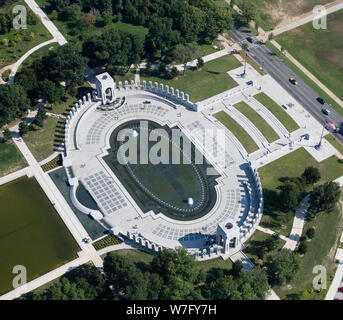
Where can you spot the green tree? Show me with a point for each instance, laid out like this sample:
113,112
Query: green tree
325,197
185,53
7,135
107,17
283,267
310,233
40,117
311,175
289,195
237,266
13,102
249,11
200,63
23,128
302,248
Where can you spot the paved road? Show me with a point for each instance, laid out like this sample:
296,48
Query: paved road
281,73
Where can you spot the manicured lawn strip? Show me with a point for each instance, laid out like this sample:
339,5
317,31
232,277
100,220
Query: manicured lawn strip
219,263
328,226
136,256
305,78
43,142
277,111
292,165
258,121
54,163
260,236
107,241
211,80
64,107
243,137
331,139
11,159
253,63
322,51
9,55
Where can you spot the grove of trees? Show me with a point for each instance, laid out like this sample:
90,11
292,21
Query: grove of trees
171,275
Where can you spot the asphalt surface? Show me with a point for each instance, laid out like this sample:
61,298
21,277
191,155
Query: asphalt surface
305,95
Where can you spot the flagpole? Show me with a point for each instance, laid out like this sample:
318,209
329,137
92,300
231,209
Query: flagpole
318,146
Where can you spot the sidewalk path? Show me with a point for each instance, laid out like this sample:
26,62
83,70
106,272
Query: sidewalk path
298,224
14,67
58,36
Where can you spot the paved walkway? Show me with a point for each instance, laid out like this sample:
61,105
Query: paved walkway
14,67
298,224
56,34
297,228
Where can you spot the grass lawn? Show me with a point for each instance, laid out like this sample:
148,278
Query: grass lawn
259,236
44,141
211,80
258,121
271,12
9,55
11,159
219,263
335,143
138,256
31,232
64,107
305,78
321,250
291,165
320,51
243,137
277,111
107,241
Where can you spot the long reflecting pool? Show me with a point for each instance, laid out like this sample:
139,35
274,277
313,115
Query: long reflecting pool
181,191
31,232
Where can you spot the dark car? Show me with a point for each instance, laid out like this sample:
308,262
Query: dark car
326,111
249,39
340,289
321,100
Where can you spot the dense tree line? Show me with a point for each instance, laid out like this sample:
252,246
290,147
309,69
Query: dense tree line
170,22
170,275
44,78
116,49
13,103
